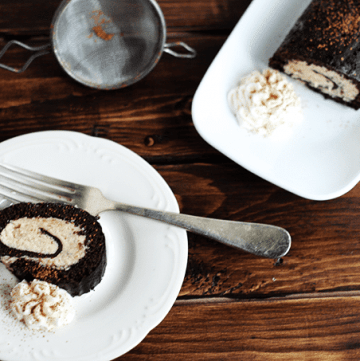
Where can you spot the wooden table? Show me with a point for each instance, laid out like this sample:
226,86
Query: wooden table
232,305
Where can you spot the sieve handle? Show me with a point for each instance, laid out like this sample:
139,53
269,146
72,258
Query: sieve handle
191,52
39,50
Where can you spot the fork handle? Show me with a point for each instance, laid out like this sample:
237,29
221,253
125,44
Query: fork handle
259,239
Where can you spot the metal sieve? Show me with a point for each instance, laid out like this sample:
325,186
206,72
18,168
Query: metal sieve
106,44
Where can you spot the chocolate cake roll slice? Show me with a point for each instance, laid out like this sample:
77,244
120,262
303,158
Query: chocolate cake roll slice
323,50
56,243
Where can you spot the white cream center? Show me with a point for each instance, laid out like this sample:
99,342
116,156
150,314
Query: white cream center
319,77
26,234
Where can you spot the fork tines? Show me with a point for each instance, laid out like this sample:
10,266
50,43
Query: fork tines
20,185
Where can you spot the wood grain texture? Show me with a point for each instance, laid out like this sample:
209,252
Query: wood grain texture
152,117
280,329
232,305
325,252
26,17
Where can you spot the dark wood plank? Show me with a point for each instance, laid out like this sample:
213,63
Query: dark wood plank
152,117
26,17
232,305
325,253
295,329
203,14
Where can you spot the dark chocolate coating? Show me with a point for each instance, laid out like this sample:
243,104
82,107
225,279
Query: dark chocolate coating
326,34
80,277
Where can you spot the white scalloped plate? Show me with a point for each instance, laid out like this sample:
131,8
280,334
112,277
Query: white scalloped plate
146,259
321,160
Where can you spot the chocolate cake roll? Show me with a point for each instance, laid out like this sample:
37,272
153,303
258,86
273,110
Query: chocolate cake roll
323,50
56,243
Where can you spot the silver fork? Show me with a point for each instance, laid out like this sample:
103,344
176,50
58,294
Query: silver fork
20,185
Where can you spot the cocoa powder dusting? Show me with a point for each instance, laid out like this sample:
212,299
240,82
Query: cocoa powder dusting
341,20
98,29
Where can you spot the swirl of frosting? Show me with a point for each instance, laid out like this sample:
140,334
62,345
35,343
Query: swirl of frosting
42,305
263,102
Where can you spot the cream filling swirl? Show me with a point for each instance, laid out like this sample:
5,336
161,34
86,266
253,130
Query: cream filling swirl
59,243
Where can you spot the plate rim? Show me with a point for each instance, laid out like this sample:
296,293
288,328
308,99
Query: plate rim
170,197
205,133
